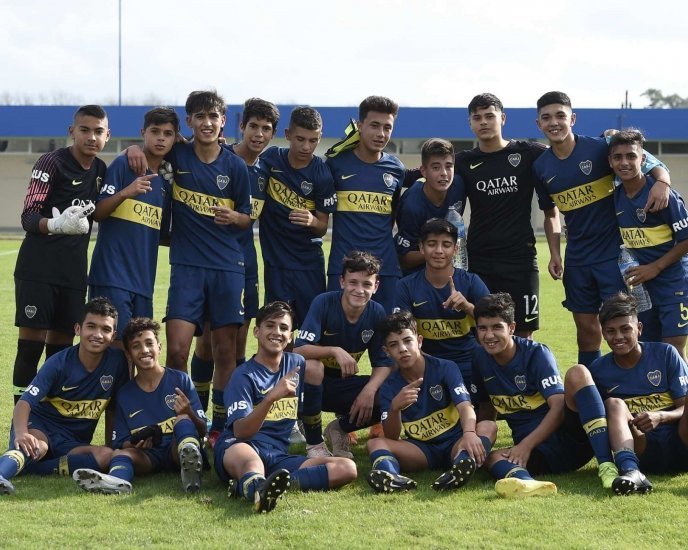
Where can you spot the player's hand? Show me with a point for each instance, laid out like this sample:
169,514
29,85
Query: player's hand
301,217
647,421
555,268
610,132
407,396
456,300
658,199
641,274
137,160
145,443
182,405
518,454
286,387
347,363
224,215
140,186
27,444
73,221
362,409
472,444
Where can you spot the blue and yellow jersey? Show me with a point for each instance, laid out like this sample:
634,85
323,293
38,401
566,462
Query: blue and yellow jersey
137,408
249,385
446,333
653,234
327,325
434,417
67,397
311,188
364,220
518,391
114,262
196,239
582,187
659,378
415,209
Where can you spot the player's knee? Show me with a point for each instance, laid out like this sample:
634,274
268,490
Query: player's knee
103,456
487,428
315,372
615,407
341,471
376,444
577,377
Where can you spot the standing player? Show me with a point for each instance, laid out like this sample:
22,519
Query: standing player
264,398
129,210
54,421
300,198
339,328
441,298
658,240
426,397
157,400
574,172
50,276
367,181
425,200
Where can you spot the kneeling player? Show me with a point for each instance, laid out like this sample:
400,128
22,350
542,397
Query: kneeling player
54,421
263,398
643,387
427,397
158,420
519,379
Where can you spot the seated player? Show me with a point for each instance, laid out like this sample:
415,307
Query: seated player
54,421
519,379
263,399
643,387
426,397
441,298
425,200
339,328
159,401
658,240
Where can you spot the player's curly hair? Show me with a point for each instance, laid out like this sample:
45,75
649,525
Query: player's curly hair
261,109
360,261
396,322
378,104
499,304
627,136
204,100
435,147
137,325
619,305
483,101
274,309
100,306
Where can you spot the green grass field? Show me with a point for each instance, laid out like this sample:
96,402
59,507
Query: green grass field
52,512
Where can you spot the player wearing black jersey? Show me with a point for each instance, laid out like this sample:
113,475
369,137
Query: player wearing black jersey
50,275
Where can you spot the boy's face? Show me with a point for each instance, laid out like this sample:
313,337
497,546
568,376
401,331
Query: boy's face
95,333
257,134
376,131
274,334
90,134
158,139
206,125
486,123
556,121
494,334
358,287
438,172
626,160
403,347
438,249
621,334
302,142
143,350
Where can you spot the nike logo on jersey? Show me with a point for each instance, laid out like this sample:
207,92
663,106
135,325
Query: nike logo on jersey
347,177
530,319
610,390
182,172
327,333
263,392
132,415
550,179
489,378
418,304
681,325
474,166
619,213
70,388
74,182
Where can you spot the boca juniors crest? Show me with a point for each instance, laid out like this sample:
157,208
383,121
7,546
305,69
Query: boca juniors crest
436,392
640,214
222,182
170,399
586,167
520,381
261,183
388,179
366,335
514,159
106,381
306,187
655,377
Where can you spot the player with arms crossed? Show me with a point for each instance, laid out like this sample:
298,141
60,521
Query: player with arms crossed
158,420
339,328
426,397
54,421
264,398
51,273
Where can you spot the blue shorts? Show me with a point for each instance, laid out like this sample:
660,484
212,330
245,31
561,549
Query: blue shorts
128,304
438,455
198,295
60,441
665,452
297,288
587,286
273,457
385,294
663,321
340,393
250,298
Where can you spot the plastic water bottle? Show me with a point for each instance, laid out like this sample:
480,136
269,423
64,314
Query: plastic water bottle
639,292
455,218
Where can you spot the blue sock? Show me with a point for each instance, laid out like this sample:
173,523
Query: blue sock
587,357
122,466
312,413
382,459
248,483
13,462
63,465
185,431
594,420
219,410
487,445
626,460
202,375
503,468
314,478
